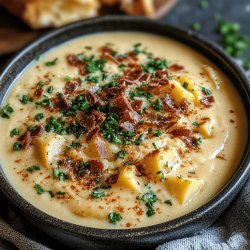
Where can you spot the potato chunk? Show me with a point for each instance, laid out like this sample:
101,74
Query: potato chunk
192,88
161,162
98,149
48,148
128,179
178,93
183,189
205,128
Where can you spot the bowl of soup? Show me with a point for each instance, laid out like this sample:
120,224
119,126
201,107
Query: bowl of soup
124,132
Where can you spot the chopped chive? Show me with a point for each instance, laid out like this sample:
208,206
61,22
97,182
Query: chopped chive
38,189
51,63
6,111
32,168
17,146
185,85
196,26
114,217
14,132
50,90
24,99
39,116
168,202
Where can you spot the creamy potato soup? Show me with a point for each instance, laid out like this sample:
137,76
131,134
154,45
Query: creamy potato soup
121,130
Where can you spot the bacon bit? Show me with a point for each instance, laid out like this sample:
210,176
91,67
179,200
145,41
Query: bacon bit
121,104
128,224
132,74
38,131
131,55
83,70
128,126
91,98
231,120
64,103
102,149
18,160
184,105
141,171
131,116
96,167
38,93
155,82
137,104
144,78
181,132
162,74
26,139
190,142
73,60
86,121
99,116
71,87
206,101
94,132
176,67
220,156
112,179
115,91
170,106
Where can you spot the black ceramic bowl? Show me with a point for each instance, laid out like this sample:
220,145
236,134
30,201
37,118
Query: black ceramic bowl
79,236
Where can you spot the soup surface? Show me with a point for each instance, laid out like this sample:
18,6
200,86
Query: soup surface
121,130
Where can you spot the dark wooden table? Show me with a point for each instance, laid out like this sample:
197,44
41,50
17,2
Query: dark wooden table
184,14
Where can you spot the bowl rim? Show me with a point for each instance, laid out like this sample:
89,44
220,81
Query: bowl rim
189,38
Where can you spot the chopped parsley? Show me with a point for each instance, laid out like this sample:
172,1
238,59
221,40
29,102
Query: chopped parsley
33,168
51,63
88,47
24,99
59,174
149,199
157,133
198,141
50,193
179,176
114,217
161,174
185,85
158,104
109,128
74,145
55,126
6,111
67,78
98,191
60,193
196,123
128,163
95,65
168,202
140,139
38,189
206,91
50,90
121,154
140,93
17,146
94,79
39,116
46,101
154,145
152,65
14,131
196,26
